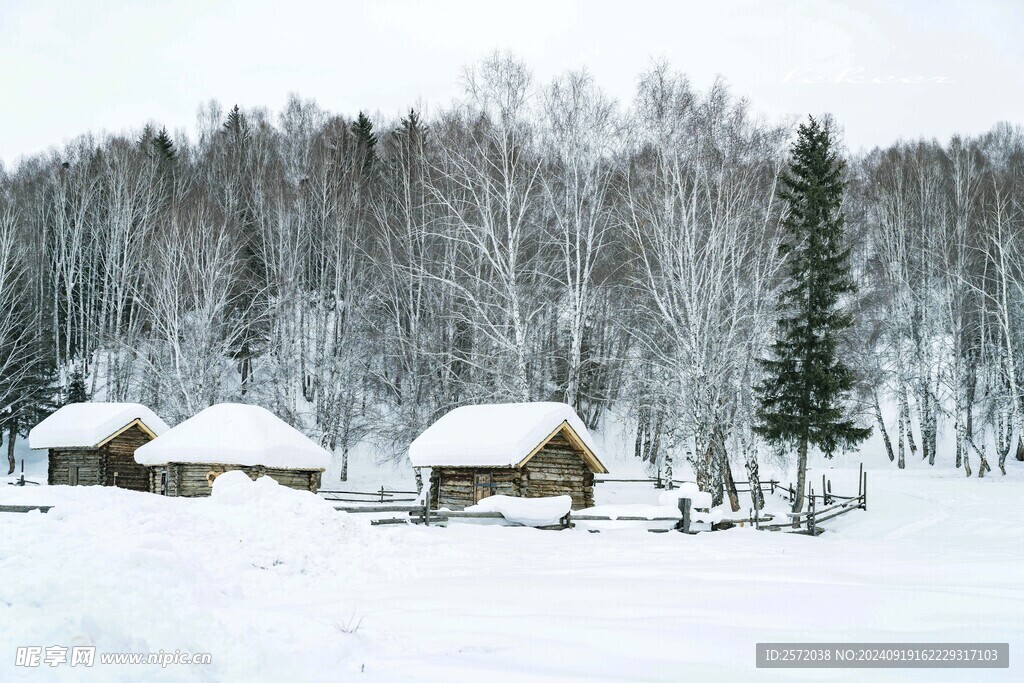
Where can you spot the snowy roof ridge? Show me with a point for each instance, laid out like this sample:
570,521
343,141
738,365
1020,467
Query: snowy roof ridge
88,425
235,434
496,435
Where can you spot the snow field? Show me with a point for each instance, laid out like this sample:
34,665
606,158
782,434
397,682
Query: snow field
278,586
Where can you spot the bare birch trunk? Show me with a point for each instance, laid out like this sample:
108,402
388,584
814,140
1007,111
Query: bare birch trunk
910,426
881,427
902,464
754,478
727,479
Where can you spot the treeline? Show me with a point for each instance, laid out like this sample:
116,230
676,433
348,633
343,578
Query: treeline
530,242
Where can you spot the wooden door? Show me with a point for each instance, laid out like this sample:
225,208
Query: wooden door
483,486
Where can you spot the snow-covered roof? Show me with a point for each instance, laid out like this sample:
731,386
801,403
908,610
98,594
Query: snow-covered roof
87,425
497,435
235,434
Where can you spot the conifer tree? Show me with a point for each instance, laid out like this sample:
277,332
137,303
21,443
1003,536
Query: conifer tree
366,141
76,391
164,145
236,126
806,383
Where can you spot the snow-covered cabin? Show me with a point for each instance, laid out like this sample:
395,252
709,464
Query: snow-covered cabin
185,460
530,450
93,444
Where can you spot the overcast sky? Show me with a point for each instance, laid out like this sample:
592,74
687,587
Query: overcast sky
884,69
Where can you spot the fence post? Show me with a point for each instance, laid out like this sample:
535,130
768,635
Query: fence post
684,510
864,500
772,482
860,480
824,492
810,514
426,508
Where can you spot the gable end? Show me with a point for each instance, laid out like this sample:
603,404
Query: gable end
577,443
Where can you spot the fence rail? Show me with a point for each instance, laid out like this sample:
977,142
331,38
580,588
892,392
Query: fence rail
804,522
25,508
835,505
383,496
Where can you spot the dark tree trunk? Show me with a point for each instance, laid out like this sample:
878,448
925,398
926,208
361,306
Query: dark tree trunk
728,481
11,435
801,476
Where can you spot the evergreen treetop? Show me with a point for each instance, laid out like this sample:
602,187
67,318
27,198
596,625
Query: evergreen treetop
806,382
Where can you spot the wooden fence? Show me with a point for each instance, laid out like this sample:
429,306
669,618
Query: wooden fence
822,507
381,496
423,514
833,506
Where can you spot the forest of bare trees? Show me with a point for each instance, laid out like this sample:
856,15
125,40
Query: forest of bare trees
529,242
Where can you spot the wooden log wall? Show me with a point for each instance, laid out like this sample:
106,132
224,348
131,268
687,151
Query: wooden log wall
193,480
119,457
455,487
88,461
556,470
559,470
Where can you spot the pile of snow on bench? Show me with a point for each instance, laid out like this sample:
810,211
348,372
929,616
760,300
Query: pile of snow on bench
526,511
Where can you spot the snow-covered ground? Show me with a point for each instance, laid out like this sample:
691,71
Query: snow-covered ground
277,586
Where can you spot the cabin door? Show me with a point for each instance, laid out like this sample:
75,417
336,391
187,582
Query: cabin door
483,486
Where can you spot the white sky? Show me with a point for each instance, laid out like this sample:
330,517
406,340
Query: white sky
80,65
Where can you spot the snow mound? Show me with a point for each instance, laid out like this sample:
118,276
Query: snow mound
235,488
495,435
526,511
700,499
236,434
84,425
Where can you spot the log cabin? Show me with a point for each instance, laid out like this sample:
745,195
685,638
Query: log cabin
187,459
531,450
93,444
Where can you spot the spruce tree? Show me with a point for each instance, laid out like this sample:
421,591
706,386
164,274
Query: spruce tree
236,127
164,145
76,391
366,141
806,383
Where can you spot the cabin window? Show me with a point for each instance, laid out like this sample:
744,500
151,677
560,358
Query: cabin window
73,475
483,486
